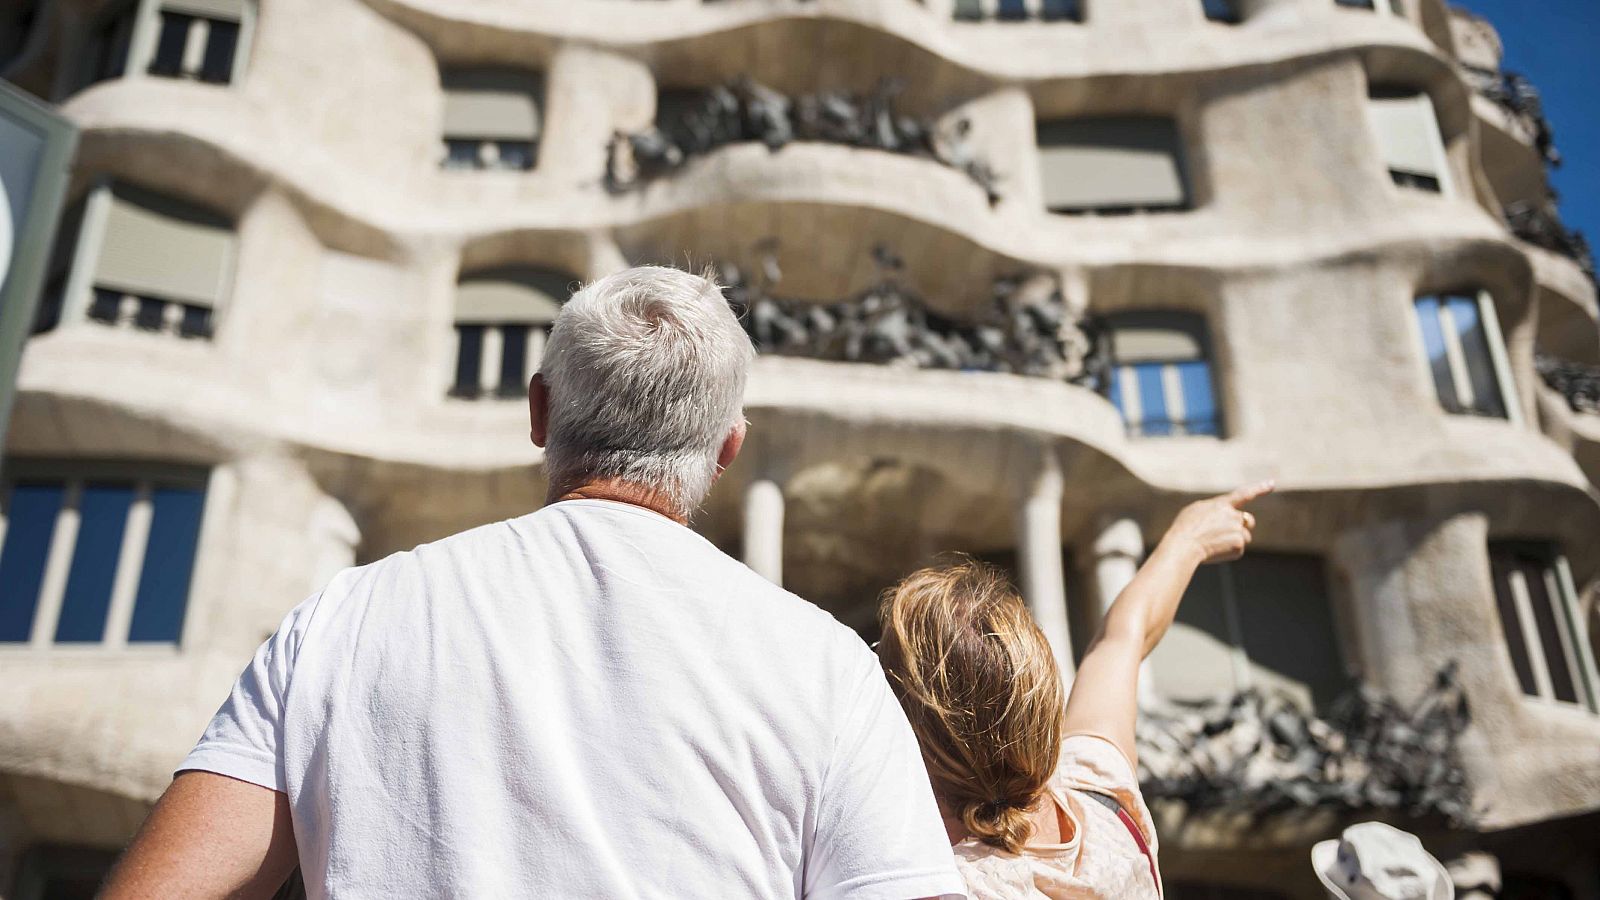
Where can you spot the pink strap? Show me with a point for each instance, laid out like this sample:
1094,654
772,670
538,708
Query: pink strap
1115,805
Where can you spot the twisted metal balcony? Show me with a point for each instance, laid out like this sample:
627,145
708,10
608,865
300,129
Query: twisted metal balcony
695,123
1264,756
1540,225
1578,383
1025,329
1517,96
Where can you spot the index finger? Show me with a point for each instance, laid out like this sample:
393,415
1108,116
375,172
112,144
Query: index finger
1240,496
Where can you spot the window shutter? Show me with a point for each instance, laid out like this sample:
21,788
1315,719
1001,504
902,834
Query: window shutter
1097,163
492,105
1408,133
158,247
512,296
1138,344
226,10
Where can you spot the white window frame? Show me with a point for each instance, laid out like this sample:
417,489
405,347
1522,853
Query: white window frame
1171,382
1460,378
147,31
1559,587
1434,136
492,352
1381,7
1035,8
130,558
78,293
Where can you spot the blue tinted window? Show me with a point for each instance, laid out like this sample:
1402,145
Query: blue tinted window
1475,352
1156,420
102,518
1433,346
1199,400
159,607
30,524
1115,391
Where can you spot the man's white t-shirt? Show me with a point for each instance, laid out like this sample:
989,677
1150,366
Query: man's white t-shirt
589,701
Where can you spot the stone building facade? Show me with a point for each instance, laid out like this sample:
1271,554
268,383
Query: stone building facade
1081,261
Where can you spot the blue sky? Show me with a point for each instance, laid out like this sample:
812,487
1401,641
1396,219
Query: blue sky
1554,43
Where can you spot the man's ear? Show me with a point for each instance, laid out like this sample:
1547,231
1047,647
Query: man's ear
731,446
538,411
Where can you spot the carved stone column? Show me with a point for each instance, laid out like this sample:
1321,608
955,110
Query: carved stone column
1039,558
1114,560
763,528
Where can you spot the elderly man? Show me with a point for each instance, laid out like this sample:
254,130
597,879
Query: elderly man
588,701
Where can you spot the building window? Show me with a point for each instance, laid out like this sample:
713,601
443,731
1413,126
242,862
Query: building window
201,46
1264,623
1227,12
502,319
1409,140
97,554
1461,339
1161,378
109,42
1111,166
1538,608
136,259
492,119
1019,10
198,40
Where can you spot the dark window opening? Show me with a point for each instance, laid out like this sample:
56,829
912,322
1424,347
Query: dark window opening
196,322
469,362
216,66
1416,181
1224,11
513,360
1061,10
171,45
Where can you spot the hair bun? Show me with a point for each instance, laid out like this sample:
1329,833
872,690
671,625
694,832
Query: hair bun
1004,823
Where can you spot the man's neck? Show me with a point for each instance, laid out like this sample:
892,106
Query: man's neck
618,492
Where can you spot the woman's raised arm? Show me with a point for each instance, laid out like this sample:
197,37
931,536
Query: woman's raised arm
1105,694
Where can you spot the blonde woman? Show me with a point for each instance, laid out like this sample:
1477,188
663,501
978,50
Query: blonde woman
1038,790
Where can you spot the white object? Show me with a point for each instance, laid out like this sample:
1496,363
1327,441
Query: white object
589,701
1374,861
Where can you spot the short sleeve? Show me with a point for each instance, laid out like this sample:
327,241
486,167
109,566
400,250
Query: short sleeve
1093,763
878,835
245,737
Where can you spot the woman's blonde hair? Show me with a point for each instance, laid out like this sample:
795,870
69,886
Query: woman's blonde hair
981,689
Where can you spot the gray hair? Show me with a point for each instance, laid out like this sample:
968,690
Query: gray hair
646,371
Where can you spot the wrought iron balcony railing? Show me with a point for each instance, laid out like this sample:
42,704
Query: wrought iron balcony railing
1026,327
697,122
1515,94
1540,225
1578,383
1263,756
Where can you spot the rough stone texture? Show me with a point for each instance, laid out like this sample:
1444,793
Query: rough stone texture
321,402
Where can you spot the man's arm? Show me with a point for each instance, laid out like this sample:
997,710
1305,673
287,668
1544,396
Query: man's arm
1105,692
209,836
